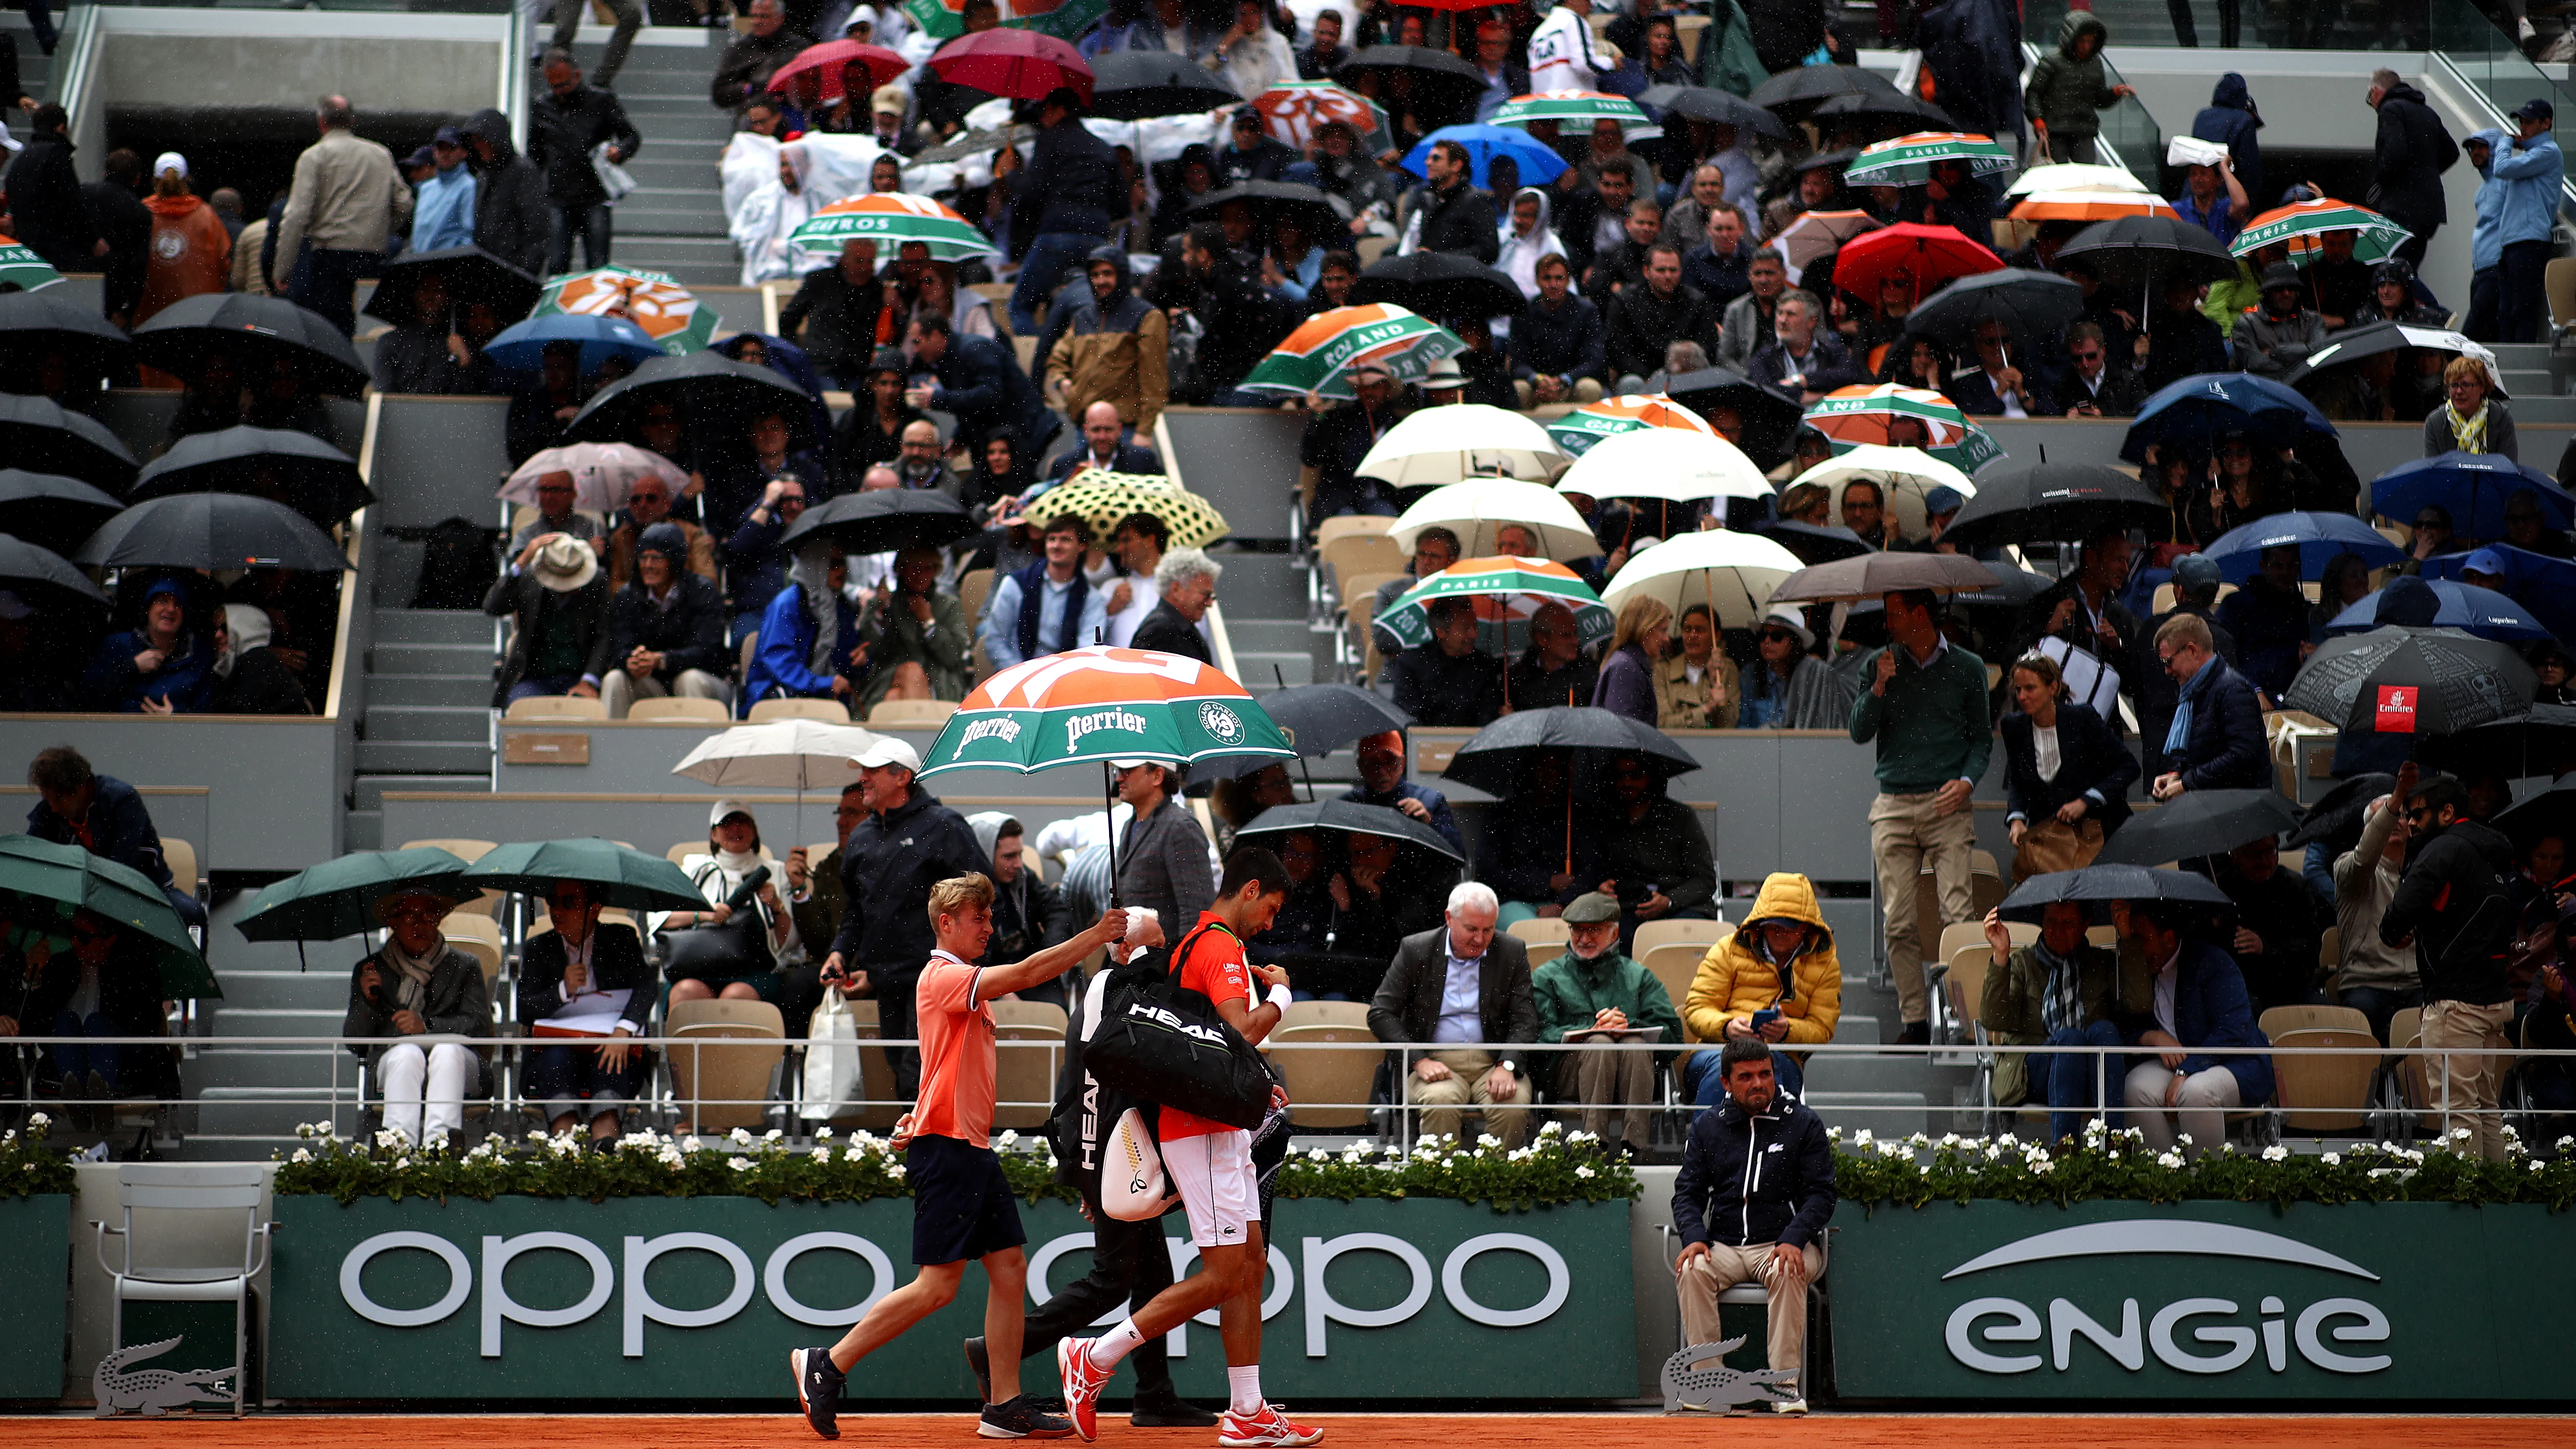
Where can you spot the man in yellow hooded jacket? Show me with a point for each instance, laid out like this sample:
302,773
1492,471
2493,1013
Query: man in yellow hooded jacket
1776,978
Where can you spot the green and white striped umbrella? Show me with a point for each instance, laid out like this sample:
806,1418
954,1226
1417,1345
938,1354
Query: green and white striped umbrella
1581,108
2298,227
1908,160
891,218
1320,356
22,269
1506,592
1101,704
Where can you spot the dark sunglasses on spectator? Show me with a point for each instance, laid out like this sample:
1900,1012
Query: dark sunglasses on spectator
2087,355
2429,521
1778,636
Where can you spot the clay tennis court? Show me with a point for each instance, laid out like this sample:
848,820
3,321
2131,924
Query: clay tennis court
1376,1431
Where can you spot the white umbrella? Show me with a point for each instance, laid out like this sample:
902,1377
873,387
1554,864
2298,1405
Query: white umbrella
2074,177
780,754
1463,440
1667,463
1478,509
603,474
1732,573
1903,475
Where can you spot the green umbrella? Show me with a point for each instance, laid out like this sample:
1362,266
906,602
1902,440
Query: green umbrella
68,878
22,269
338,897
617,875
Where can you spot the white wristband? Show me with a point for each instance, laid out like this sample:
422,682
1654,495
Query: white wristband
1280,998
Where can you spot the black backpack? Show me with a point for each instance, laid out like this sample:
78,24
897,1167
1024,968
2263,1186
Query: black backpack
457,566
1164,1043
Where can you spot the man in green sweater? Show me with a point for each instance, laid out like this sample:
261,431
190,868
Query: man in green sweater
1595,986
1926,708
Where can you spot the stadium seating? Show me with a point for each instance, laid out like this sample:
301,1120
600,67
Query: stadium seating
1026,1074
1316,1076
566,707
1542,933
912,713
830,711
1651,934
2321,1093
679,711
718,1088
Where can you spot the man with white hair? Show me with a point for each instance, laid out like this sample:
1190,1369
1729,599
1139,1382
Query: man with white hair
1466,990
1186,578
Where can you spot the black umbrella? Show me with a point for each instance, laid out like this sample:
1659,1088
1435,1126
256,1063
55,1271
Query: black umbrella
2542,742
1442,83
2013,587
1880,117
1319,214
2135,251
1318,719
884,519
2097,886
1500,754
257,331
296,469
26,569
41,436
34,323
1439,284
2399,681
472,275
2338,815
1349,815
1874,574
2054,502
2551,812
2198,823
212,531
1814,543
1131,85
50,509
1795,92
2032,307
2370,340
1769,418
714,391
1723,108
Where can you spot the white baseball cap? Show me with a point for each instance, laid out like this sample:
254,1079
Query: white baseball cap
889,750
170,161
717,812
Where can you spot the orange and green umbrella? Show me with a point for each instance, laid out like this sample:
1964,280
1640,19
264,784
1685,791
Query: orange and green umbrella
2301,225
1908,160
1320,356
1582,108
1293,111
1506,593
1628,412
21,269
669,313
891,218
1063,19
1852,416
1101,704
2089,206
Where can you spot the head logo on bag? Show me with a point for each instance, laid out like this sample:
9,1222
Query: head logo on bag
1173,1021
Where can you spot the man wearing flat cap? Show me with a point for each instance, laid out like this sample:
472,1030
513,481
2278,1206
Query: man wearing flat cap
1595,986
419,997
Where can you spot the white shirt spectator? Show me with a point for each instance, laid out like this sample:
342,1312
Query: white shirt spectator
1461,1000
1562,56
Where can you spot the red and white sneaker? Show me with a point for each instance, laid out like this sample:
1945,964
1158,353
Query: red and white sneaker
1083,1381
1263,1430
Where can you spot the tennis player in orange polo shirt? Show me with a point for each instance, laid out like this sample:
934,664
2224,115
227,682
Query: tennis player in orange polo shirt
961,1203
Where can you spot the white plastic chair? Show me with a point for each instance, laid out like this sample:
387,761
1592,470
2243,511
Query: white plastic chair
206,1189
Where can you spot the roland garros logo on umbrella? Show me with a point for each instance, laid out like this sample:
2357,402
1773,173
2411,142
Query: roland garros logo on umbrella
893,216
668,312
1320,354
1100,703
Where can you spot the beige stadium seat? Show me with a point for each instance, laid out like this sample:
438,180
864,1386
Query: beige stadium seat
1676,966
477,936
1542,934
1324,1013
181,857
1026,1074
830,711
718,1088
703,711
2318,1093
972,591
876,1074
914,713
2276,1021
1321,1077
1348,553
2558,278
1360,604
1703,934
1973,933
548,707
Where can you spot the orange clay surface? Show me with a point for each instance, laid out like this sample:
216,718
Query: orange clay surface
1356,1431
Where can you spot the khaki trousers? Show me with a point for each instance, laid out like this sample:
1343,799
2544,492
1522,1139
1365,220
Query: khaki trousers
1607,1081
619,690
1703,1279
2466,1089
1445,1103
1906,833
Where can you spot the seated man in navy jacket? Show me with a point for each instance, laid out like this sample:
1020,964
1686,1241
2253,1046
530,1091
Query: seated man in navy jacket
591,972
666,630
2199,1001
104,815
1557,343
1996,387
1805,359
2216,739
978,380
1107,444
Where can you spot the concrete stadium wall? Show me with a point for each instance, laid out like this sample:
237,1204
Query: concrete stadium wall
266,793
383,62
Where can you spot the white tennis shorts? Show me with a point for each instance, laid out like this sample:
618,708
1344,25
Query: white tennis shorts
1218,1186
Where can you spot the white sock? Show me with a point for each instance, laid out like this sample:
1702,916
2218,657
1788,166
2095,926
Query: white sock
1116,1344
1245,1384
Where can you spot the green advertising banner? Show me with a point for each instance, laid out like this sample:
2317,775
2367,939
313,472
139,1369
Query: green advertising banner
37,1229
2201,1302
700,1298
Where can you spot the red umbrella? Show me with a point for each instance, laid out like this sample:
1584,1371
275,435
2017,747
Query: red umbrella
830,57
1933,254
1021,64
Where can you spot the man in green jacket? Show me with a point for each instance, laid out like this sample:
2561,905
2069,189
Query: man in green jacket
2070,88
1595,986
1926,708
2057,991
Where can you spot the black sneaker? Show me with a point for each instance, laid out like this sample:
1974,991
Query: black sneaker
1017,1418
981,1365
1916,1033
818,1389
1169,1411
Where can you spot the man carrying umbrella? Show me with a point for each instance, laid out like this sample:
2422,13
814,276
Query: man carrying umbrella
102,814
2454,903
106,985
1443,681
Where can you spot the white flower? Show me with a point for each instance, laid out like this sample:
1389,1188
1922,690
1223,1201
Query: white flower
303,1156
895,1170
1010,1137
2184,1138
536,1137
773,1134
2276,1153
304,1129
739,1137
1317,1154
1552,1129
1949,1139
2332,1159
2168,1159
401,1162
1918,1140
39,1119
1352,1156
2043,1167
853,1154
1486,1141
824,1134
2536,1165
1587,1174
1927,1172
391,1139
692,1144
1862,1138
670,1156
1832,1134
2461,1134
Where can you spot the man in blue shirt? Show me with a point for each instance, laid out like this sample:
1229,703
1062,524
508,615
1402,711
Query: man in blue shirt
1047,607
442,213
1382,782
2509,249
2214,200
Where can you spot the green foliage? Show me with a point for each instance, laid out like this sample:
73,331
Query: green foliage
1558,1168
27,1166
2118,1166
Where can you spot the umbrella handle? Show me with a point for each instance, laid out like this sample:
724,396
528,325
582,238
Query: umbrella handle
1109,818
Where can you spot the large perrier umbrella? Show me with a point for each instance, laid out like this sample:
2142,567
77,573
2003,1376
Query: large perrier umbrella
617,875
40,873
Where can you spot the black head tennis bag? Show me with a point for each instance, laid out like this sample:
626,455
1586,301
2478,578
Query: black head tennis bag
1165,1043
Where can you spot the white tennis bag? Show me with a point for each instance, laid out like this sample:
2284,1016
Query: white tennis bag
832,1081
1133,1186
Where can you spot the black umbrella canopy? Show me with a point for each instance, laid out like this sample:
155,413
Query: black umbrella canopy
2551,812
257,331
1800,89
1707,103
2012,588
2055,502
472,275
2198,823
212,531
884,519
1874,574
27,569
1880,117
2369,340
2339,814
51,510
35,323
2542,742
2097,886
1439,284
1442,83
42,436
279,464
2133,251
1768,419
1318,719
2032,307
2423,682
1131,85
1320,215
1500,754
1350,815
713,391
1814,543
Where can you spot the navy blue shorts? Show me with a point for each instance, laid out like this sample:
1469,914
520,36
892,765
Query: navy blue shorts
962,1206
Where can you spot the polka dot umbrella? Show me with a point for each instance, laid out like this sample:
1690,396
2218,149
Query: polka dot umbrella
1102,498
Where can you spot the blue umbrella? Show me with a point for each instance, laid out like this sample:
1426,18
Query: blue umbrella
2543,585
2483,612
2472,487
2319,537
1539,164
2197,411
521,347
